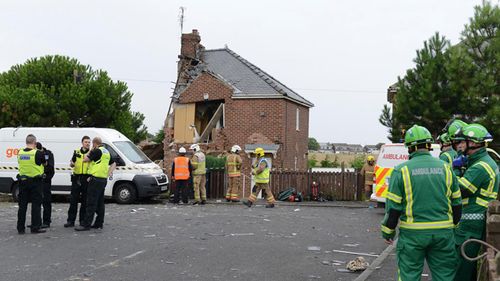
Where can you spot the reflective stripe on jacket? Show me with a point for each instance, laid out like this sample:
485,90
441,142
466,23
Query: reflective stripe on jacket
233,164
181,168
199,163
424,189
27,164
481,180
263,177
81,168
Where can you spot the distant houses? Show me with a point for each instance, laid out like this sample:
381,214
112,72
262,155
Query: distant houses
326,147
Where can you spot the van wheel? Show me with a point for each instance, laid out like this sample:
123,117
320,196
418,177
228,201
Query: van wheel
15,192
125,193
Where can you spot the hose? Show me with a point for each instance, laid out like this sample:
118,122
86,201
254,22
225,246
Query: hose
462,249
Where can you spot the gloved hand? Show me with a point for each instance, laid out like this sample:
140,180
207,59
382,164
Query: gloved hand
460,161
387,236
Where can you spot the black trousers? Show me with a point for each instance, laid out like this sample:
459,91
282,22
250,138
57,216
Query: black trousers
79,186
181,187
30,190
47,200
95,202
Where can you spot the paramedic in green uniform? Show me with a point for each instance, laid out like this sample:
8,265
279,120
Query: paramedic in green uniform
452,128
479,186
448,154
424,196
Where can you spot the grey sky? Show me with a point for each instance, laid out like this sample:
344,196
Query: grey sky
340,55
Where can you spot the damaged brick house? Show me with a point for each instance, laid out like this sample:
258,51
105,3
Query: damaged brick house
221,99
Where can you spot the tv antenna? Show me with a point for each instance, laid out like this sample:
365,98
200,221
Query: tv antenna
181,17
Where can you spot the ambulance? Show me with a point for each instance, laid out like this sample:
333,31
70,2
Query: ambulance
390,156
136,176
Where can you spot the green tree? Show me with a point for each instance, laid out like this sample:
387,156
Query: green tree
462,81
358,162
325,163
423,94
312,162
313,144
480,43
160,136
388,121
60,91
214,162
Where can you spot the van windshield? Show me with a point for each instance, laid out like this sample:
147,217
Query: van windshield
131,151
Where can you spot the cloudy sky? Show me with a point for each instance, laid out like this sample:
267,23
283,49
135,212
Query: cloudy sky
340,55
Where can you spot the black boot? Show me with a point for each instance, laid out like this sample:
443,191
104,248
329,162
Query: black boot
69,224
247,203
270,205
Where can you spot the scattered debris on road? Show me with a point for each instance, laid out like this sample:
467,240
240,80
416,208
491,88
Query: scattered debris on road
358,264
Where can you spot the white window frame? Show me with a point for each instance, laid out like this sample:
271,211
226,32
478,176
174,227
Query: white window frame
297,119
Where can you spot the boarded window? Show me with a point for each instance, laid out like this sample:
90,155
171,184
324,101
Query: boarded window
184,119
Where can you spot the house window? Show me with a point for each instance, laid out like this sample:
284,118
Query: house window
297,120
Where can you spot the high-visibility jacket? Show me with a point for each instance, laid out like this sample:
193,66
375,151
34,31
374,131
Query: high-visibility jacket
448,156
233,165
481,180
263,177
81,168
423,189
27,164
181,168
199,163
368,173
100,168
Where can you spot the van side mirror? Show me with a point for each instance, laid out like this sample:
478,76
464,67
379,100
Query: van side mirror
119,161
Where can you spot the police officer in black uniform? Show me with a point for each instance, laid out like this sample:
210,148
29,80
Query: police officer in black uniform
100,169
79,183
49,172
31,162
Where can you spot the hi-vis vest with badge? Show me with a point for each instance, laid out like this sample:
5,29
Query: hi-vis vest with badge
199,164
81,168
27,164
181,169
232,165
264,176
100,168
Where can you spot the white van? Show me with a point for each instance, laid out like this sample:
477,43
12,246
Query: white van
136,176
390,156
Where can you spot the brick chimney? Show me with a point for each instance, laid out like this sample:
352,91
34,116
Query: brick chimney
190,45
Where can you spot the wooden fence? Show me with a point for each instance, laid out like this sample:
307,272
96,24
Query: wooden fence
343,186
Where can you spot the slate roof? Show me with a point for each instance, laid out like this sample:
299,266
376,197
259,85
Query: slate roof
248,79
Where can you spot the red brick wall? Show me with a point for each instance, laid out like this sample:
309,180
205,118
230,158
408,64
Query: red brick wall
270,121
190,43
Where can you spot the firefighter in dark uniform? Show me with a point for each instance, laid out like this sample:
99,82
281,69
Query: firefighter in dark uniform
79,183
31,163
48,174
100,169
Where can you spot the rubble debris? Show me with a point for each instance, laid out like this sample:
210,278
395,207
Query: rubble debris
314,248
358,264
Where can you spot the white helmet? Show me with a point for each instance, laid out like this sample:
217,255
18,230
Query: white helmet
195,147
182,150
235,149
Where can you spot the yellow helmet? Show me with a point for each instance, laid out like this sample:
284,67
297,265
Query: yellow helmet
259,151
370,158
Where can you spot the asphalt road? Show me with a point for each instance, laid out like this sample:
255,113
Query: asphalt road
212,242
